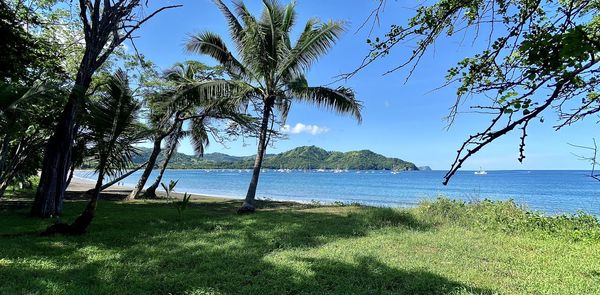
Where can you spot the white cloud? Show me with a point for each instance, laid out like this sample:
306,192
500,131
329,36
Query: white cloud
301,128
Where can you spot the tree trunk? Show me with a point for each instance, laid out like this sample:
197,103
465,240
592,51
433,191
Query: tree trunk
151,190
249,201
3,155
4,152
49,197
83,221
57,157
151,162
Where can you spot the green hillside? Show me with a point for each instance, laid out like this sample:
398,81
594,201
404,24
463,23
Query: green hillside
311,157
306,157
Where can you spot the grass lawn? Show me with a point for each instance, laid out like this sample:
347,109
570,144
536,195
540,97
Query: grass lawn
442,247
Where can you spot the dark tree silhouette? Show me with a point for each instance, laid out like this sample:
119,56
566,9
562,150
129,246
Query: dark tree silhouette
106,24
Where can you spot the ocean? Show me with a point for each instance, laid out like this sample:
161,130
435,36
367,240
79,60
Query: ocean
551,192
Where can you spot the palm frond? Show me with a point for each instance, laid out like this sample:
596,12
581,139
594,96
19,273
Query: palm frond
244,14
211,44
199,135
235,28
190,70
10,95
341,99
112,125
283,106
289,17
316,39
196,92
270,25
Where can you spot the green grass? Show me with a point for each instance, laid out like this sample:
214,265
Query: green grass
443,247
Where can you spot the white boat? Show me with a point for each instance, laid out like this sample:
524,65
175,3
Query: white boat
480,172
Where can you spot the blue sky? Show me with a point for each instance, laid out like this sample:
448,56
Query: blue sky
400,119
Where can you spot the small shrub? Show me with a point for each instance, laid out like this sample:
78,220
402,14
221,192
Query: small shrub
338,203
180,205
509,217
314,202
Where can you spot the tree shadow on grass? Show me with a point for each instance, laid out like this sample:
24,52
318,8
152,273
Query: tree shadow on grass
368,275
143,248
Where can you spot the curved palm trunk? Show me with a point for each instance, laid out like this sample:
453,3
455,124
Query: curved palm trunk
3,187
80,225
249,201
112,182
151,162
151,190
83,221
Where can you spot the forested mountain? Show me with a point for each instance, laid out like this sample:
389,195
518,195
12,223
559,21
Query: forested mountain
306,157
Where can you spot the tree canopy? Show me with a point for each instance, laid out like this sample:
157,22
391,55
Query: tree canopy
541,55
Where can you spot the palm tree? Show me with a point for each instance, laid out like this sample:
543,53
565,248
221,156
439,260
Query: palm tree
271,68
172,145
112,130
195,94
162,121
192,81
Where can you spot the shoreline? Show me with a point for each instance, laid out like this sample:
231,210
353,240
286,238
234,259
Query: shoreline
399,191
80,185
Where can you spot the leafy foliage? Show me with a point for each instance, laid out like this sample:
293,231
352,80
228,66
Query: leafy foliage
111,128
25,57
27,116
180,205
541,55
511,218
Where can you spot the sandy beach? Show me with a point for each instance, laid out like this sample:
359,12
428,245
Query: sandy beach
80,185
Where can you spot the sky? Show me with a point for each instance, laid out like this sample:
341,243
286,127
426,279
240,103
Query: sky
401,118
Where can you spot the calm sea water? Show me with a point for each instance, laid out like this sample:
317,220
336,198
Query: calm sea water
552,192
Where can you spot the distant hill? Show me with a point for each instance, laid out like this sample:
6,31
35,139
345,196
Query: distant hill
424,168
305,157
